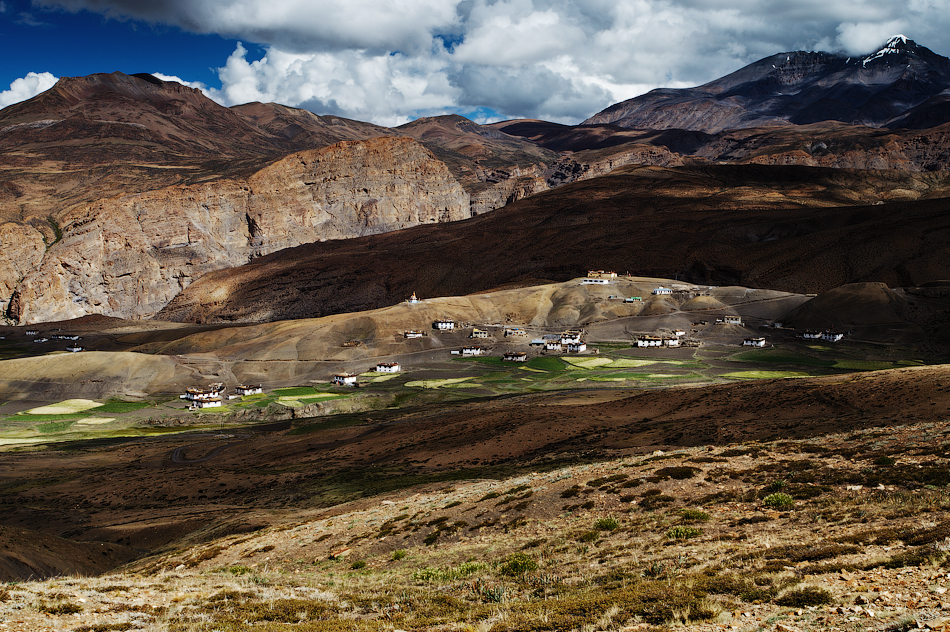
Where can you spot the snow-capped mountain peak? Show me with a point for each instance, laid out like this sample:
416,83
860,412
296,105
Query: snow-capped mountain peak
893,46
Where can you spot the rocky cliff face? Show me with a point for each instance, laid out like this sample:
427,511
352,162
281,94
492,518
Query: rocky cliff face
128,256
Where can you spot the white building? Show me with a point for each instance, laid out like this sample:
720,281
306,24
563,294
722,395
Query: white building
576,347
388,367
753,342
413,300
812,335
412,333
832,336
515,331
74,348
671,342
569,337
649,341
444,324
479,333
203,394
679,333
552,345
345,379
633,299
515,356
472,351
595,281
244,389
662,290
205,403
732,320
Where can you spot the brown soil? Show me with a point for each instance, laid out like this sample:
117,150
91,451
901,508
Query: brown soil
147,494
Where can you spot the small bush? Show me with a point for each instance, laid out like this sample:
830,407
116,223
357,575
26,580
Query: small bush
398,554
884,461
776,486
694,515
779,501
589,536
683,533
358,564
518,564
607,524
807,596
570,492
681,472
240,570
59,607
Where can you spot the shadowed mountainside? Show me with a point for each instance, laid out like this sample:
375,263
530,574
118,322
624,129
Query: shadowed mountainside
790,228
881,89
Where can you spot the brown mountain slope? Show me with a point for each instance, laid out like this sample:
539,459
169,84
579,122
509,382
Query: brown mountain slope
304,129
129,255
141,494
790,228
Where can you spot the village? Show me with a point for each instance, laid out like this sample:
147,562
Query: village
518,343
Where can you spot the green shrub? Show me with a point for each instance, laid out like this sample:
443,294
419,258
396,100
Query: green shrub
240,570
398,554
776,486
607,524
589,536
358,564
518,564
884,461
807,596
682,533
779,501
694,515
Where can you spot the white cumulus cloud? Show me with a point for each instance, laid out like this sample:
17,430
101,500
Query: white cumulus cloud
27,87
394,60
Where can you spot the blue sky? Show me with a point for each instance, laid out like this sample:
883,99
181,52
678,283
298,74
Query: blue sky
68,45
390,62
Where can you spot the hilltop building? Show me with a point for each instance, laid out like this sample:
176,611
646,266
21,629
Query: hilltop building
753,342
413,300
661,290
444,324
388,367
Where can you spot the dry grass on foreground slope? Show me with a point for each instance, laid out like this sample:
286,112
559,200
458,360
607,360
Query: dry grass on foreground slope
843,532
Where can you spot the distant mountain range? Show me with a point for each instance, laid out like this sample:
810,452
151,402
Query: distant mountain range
902,85
119,191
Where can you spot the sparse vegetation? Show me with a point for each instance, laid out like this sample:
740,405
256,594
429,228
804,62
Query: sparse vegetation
779,501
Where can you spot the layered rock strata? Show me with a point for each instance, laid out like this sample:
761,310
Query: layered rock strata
129,255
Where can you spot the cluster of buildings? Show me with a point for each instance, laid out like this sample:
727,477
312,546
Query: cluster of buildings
570,341
828,335
212,396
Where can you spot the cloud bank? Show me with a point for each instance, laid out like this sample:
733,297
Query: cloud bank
27,87
561,60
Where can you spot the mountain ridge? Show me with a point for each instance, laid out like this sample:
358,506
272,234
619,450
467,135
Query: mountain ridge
796,87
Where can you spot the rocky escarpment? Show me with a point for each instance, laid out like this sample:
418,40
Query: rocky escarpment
129,255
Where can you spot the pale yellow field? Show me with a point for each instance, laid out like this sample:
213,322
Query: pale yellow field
437,383
66,407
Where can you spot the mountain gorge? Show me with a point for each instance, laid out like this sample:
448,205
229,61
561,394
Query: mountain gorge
117,192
